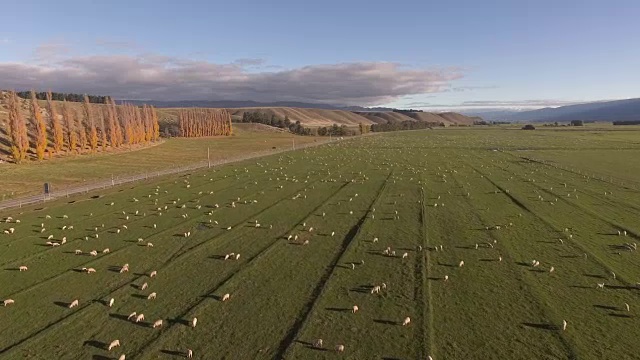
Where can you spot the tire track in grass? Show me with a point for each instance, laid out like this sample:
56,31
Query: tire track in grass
543,308
174,257
169,230
592,256
249,262
305,312
425,344
106,230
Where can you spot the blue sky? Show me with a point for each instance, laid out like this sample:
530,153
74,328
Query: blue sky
422,54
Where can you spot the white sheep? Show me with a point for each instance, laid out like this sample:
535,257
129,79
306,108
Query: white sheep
93,253
626,306
340,348
144,286
600,286
111,301
133,315
317,343
237,256
355,309
461,264
106,251
23,268
552,269
375,290
564,325
91,270
149,244
122,357
153,273
8,302
446,278
406,321
226,297
405,255
157,324
152,296
194,322
78,252
139,317
189,353
73,304
114,343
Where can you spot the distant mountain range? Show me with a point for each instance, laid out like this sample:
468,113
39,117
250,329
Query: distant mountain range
618,110
233,104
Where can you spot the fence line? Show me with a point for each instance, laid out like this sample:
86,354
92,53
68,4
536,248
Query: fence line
120,180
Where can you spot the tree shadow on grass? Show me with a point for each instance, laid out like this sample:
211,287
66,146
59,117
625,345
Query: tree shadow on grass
338,309
540,326
595,276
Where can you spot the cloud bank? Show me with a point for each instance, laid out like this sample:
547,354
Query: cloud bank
157,77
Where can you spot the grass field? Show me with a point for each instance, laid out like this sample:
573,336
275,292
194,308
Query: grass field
558,196
28,179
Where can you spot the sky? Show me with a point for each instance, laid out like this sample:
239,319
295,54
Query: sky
420,54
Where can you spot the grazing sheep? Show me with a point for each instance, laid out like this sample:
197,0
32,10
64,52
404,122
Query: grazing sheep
226,257
73,304
552,269
139,318
122,357
600,286
49,237
446,278
157,324
114,343
461,264
93,253
149,244
124,268
194,322
564,325
106,251
237,256
375,290
78,252
626,306
353,266
317,343
23,268
133,315
8,302
613,274
306,242
405,255
499,258
111,301
144,286
189,353
226,297
153,274
340,348
152,296
406,321
355,309
91,270
333,233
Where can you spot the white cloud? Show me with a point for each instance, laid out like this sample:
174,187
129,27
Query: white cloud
152,76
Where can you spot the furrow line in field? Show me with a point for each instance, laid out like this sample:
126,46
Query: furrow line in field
425,345
586,250
249,262
534,294
305,312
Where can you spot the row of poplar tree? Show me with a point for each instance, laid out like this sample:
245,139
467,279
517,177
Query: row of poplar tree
204,122
94,126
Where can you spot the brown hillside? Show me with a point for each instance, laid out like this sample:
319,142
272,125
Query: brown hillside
384,117
311,117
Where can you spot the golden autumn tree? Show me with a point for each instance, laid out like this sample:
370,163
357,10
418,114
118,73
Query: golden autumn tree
70,123
154,122
111,123
17,129
103,131
40,126
56,126
90,123
82,132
